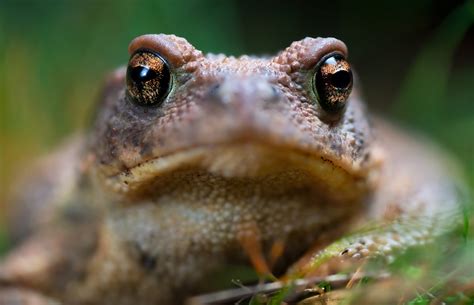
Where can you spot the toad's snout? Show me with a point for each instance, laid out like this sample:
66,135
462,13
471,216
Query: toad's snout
245,109
244,95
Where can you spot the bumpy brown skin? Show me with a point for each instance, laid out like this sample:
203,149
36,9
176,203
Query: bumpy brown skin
154,201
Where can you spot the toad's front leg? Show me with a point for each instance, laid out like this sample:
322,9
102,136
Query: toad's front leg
383,242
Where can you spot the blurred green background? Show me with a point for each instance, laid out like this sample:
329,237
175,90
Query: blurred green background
415,59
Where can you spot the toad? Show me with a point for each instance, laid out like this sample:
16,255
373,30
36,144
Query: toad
196,163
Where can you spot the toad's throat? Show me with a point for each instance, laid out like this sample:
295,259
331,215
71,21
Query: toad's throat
240,167
220,219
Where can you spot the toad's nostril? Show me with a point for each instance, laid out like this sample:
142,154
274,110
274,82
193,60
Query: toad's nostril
214,89
273,95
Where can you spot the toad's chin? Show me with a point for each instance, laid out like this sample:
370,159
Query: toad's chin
263,168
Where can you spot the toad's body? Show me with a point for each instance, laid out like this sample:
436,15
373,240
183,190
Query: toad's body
196,163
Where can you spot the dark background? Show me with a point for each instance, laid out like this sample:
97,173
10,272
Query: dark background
415,59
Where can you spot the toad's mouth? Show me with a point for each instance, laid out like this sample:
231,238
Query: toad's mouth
253,166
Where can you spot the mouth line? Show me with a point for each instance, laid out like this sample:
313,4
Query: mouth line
242,160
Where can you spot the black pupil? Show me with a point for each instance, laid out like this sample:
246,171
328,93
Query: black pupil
142,74
341,79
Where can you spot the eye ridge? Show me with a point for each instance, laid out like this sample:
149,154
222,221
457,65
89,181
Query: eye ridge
148,78
332,82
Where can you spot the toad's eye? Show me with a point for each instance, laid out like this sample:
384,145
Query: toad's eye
148,78
333,82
